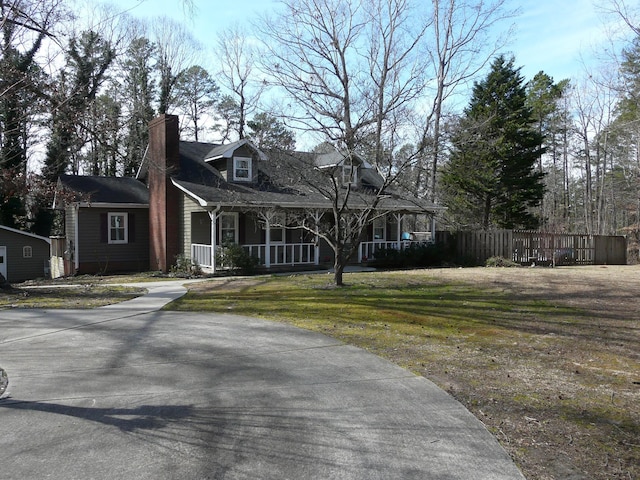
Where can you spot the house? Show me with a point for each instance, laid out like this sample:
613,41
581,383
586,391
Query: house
23,256
106,223
202,196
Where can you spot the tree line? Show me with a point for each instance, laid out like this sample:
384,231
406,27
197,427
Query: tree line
377,78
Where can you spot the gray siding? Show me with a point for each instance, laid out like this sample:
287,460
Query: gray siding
96,255
19,268
189,208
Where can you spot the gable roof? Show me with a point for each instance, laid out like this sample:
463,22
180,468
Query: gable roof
104,190
27,234
203,183
226,150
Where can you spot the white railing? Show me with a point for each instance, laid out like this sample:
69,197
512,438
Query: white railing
201,254
284,253
281,254
367,250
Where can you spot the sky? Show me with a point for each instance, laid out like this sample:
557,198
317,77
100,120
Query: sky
558,37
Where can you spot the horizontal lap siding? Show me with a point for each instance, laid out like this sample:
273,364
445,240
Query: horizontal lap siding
96,255
19,268
189,207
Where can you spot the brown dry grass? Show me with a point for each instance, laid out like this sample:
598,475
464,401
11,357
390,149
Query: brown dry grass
548,359
564,400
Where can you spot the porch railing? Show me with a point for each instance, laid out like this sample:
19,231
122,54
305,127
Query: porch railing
201,254
284,253
281,254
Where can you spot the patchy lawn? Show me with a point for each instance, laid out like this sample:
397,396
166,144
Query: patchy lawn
86,295
548,359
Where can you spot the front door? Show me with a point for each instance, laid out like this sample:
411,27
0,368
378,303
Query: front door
3,261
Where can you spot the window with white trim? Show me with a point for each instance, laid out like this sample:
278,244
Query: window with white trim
349,174
242,169
379,229
27,251
118,228
228,228
277,229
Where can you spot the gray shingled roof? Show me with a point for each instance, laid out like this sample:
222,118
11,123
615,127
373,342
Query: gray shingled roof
204,183
94,189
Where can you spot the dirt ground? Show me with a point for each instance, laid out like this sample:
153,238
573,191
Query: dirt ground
564,398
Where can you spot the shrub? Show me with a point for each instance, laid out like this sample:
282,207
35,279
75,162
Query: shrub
416,255
236,259
184,267
501,262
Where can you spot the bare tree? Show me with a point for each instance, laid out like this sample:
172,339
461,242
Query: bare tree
462,44
629,12
350,70
237,74
176,50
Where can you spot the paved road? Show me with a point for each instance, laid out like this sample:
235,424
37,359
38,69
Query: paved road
130,392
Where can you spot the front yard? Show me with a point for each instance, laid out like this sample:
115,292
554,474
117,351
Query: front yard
548,359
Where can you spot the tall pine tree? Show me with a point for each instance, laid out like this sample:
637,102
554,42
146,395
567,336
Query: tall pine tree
491,179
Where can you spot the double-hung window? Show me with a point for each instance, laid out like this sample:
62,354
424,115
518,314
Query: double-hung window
277,229
379,229
242,169
228,228
118,231
349,174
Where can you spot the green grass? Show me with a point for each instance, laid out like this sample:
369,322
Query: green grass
374,302
538,373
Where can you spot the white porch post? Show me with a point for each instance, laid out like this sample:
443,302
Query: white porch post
316,254
267,241
213,216
399,217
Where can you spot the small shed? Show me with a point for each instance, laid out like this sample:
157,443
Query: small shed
23,255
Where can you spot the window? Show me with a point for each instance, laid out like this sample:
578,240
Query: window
379,229
276,235
349,174
276,230
228,228
242,169
118,228
27,251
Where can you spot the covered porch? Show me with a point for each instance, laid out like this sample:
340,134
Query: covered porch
277,242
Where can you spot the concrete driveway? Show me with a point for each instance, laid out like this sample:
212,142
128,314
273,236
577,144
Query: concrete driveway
130,392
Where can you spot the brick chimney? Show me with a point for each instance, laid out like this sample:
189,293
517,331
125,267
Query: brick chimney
164,161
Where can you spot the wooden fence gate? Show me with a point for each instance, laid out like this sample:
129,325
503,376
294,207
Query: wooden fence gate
540,248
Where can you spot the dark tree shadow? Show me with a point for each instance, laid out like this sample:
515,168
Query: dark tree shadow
143,417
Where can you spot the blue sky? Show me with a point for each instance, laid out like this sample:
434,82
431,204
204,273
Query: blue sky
550,35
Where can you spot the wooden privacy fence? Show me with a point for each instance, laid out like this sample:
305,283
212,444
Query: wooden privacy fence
540,248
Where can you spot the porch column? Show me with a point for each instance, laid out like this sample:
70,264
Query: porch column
316,254
267,241
433,228
213,216
399,217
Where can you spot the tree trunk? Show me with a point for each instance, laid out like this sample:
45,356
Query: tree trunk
338,267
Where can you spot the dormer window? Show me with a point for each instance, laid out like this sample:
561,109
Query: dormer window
242,169
349,174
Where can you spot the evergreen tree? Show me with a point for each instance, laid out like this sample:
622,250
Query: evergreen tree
267,132
138,90
490,179
196,93
88,59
